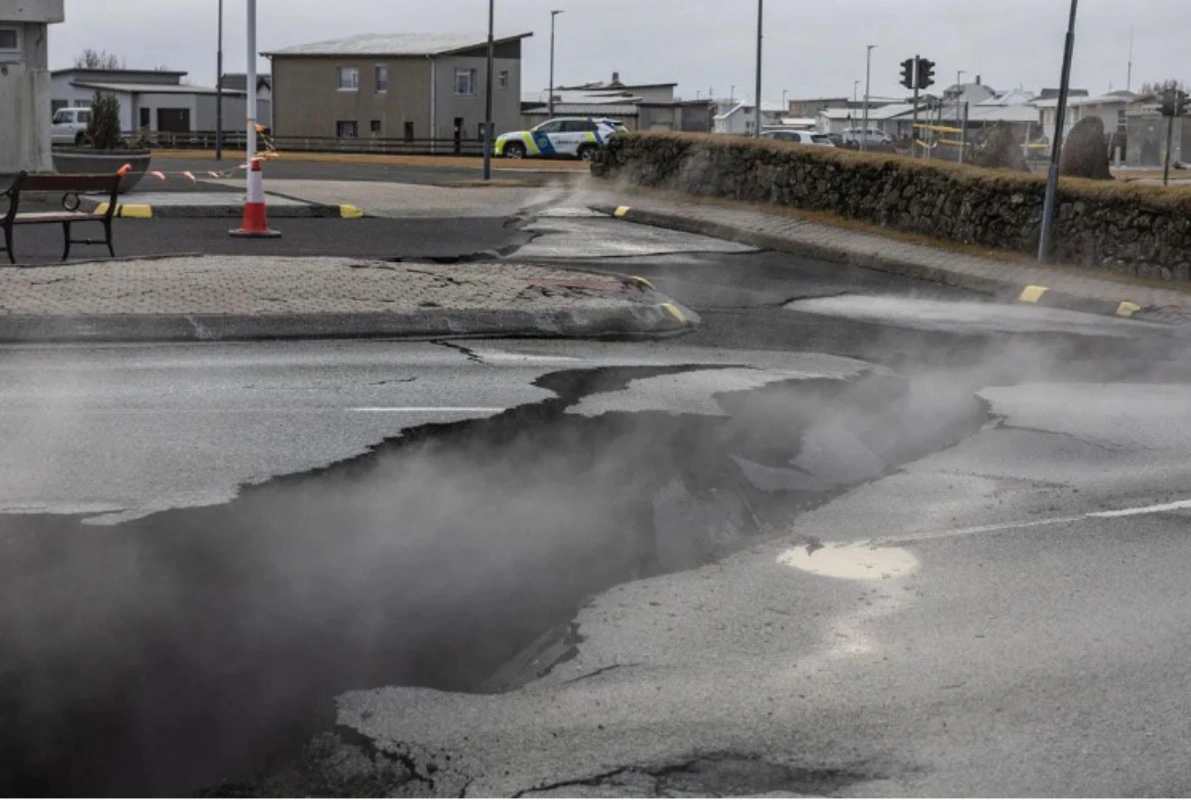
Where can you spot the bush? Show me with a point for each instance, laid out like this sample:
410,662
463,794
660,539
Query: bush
1085,154
103,131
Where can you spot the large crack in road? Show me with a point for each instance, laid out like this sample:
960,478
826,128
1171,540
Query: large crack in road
202,647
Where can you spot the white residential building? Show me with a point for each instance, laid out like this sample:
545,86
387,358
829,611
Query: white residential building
741,119
25,84
154,99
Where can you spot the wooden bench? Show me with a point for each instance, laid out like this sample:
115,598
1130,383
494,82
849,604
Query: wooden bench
71,187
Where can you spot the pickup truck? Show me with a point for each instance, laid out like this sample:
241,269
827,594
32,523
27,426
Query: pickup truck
70,125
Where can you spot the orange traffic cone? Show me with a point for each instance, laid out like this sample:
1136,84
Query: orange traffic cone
256,218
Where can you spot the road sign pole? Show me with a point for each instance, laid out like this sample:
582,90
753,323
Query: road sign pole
1169,143
250,145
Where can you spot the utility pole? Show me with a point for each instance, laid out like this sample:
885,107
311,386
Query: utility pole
1056,147
959,93
856,91
488,125
868,74
553,17
760,34
1129,74
219,90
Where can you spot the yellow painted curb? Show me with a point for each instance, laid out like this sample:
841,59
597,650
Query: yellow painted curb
134,211
642,282
1127,309
675,312
621,211
350,212
1032,294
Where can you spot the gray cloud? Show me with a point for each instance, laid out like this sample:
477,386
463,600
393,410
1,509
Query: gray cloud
813,47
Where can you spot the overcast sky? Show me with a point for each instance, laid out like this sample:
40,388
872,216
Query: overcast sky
813,47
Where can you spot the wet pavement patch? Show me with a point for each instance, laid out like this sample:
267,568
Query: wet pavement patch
191,647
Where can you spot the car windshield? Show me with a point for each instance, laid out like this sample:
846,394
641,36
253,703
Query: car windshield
821,139
61,118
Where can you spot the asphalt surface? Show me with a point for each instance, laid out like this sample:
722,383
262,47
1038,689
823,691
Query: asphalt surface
759,561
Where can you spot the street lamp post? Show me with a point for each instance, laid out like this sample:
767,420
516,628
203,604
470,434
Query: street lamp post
219,90
1056,148
250,144
784,106
868,74
553,17
760,32
856,91
488,126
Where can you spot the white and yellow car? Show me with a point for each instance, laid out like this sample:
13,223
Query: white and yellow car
574,137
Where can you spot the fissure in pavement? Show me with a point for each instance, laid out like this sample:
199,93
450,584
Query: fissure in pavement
194,647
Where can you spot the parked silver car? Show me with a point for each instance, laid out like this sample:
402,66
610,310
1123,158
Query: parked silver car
799,137
872,136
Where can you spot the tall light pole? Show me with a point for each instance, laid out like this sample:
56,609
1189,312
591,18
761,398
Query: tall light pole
760,33
856,91
250,144
868,74
1056,147
785,107
488,126
553,17
219,90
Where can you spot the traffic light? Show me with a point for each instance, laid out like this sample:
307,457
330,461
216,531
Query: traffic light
926,73
908,73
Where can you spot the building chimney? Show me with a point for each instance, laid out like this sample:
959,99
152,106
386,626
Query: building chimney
977,80
615,77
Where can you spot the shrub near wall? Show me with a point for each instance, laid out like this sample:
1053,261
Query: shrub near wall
1140,230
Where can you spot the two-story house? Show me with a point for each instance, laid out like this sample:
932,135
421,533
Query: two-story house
398,86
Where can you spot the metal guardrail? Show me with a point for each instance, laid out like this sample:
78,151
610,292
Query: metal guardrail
205,140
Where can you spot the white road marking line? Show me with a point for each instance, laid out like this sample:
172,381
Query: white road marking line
428,410
1181,505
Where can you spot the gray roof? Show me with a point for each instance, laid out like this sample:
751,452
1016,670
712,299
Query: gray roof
584,110
152,88
395,44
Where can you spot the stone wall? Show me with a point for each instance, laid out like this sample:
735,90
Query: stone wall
1140,230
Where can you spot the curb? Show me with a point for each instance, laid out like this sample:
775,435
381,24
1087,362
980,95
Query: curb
655,320
309,211
1003,289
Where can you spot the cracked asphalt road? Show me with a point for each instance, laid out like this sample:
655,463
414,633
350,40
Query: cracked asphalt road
982,595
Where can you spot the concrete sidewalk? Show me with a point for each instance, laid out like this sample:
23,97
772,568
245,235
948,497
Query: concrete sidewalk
227,298
1009,278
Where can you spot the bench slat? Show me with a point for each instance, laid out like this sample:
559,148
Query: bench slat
45,217
68,183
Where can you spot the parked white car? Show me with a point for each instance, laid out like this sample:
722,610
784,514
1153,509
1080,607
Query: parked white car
70,125
799,137
578,137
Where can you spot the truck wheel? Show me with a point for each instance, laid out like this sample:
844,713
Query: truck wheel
80,139
514,150
587,152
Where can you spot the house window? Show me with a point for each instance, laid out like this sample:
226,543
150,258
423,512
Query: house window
409,131
58,105
348,79
1122,121
347,129
504,79
375,127
382,78
465,81
10,40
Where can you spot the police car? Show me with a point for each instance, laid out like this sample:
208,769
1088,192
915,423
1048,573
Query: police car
577,137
